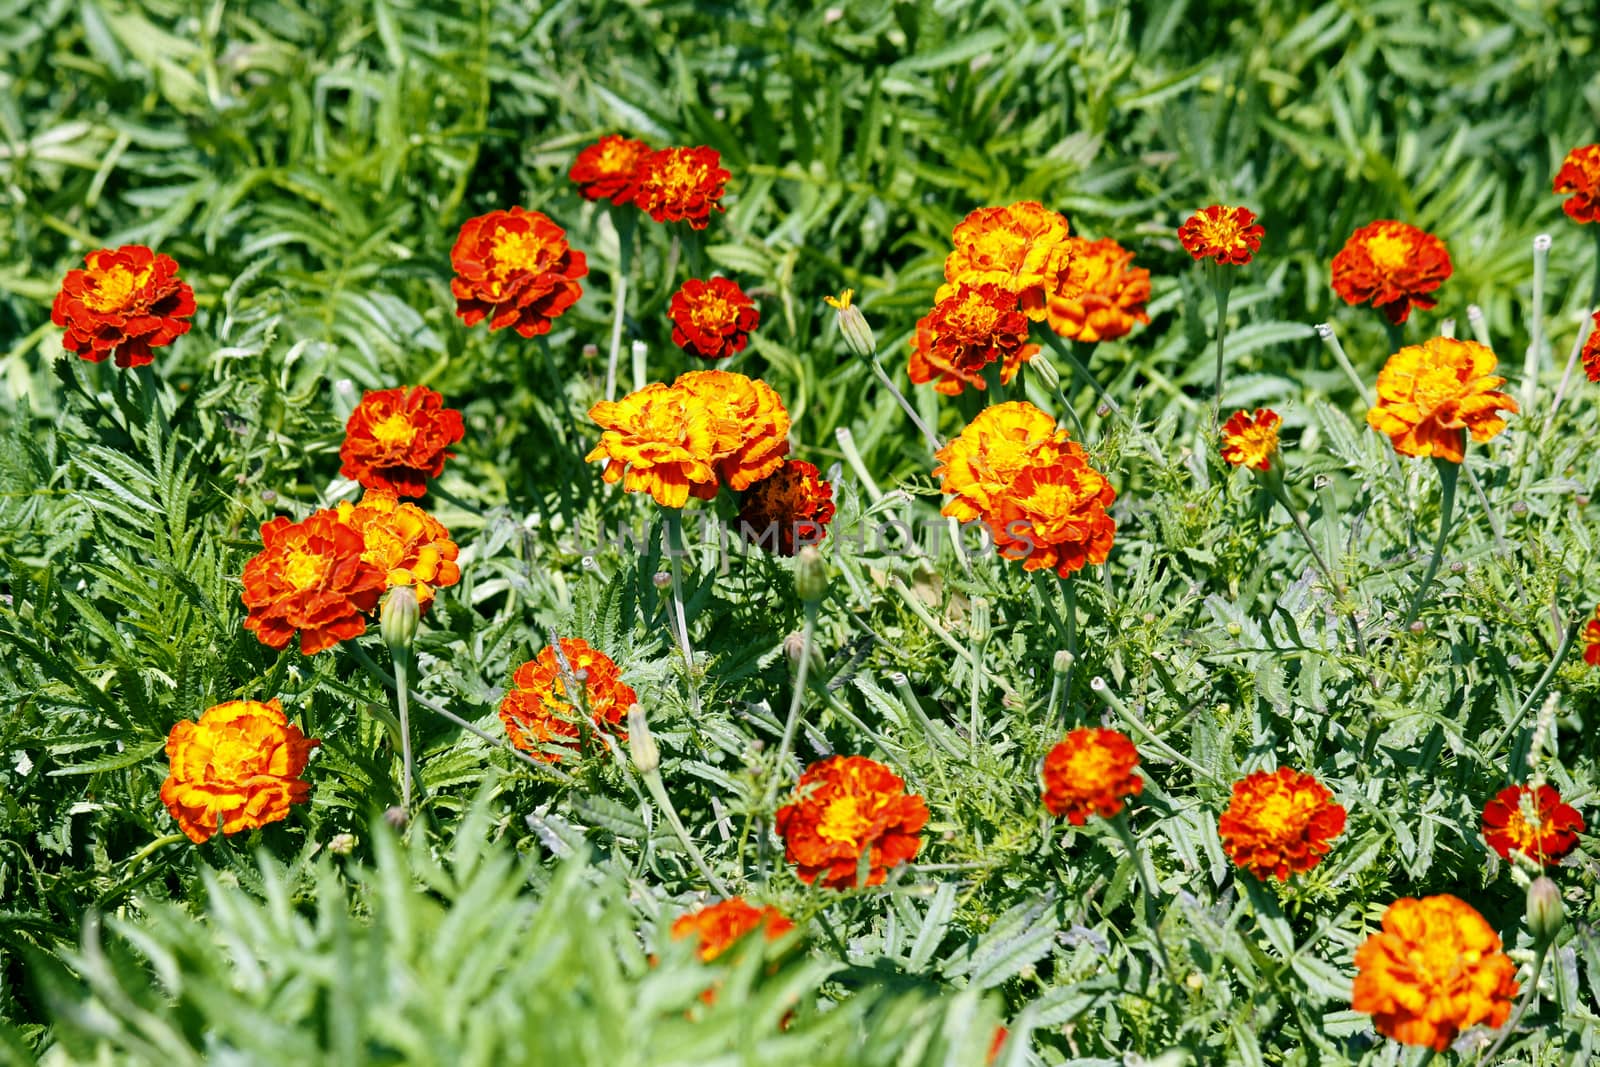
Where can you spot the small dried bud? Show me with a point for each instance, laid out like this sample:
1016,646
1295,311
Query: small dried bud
398,621
268,495
661,580
1458,567
981,625
858,335
591,351
1103,410
1546,912
1582,500
641,743
1418,627
794,646
342,844
810,576
396,817
1519,507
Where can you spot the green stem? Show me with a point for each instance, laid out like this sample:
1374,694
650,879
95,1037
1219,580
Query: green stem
1331,340
1115,703
1538,689
1069,600
910,600
403,700
1572,358
905,405
852,456
1147,879
1449,473
1530,362
624,220
652,782
975,712
1219,286
792,723
159,843
675,558
1281,492
1396,333
992,382
1529,995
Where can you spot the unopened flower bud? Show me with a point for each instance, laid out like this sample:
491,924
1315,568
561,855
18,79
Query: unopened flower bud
342,844
398,621
1061,663
1103,410
1049,377
1519,507
1546,912
1418,627
981,626
853,325
1457,567
661,579
591,351
810,576
396,817
641,743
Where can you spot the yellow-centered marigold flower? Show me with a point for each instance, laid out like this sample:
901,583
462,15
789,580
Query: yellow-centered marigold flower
1591,351
538,710
1532,821
681,185
1021,248
718,927
1579,180
240,764
1251,440
1090,772
515,269
1279,823
1099,296
1428,394
970,327
845,806
1393,266
1228,235
412,547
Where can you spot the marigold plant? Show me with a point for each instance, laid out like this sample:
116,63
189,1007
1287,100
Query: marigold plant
609,169
412,547
310,578
1393,266
538,711
1099,296
397,439
749,424
970,327
713,318
793,504
239,765
1279,823
1428,394
515,269
1251,440
682,185
1434,970
1021,248
718,927
1533,821
124,303
845,807
1090,772
1226,235
1579,181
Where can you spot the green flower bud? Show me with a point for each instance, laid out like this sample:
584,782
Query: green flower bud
858,335
641,743
1049,377
1062,663
982,622
398,621
810,575
1545,910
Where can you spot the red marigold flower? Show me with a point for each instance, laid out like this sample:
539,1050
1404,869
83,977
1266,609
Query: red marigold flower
1090,772
1591,640
1532,821
1098,296
516,269
1022,248
411,546
712,319
124,303
1579,180
1428,394
1251,440
1591,351
1225,234
309,578
845,806
793,505
396,439
970,327
537,710
1393,266
682,185
1279,822
609,169
240,764
719,926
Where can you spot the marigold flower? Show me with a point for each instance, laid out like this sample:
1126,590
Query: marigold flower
1021,248
1090,772
1032,486
537,710
1532,821
1591,351
1435,969
1391,265
657,441
1098,296
240,763
1279,822
712,319
310,578
412,547
682,185
1225,234
124,303
1251,440
1429,393
719,926
844,806
396,439
794,502
749,424
970,327
1591,640
609,169
1579,181
516,269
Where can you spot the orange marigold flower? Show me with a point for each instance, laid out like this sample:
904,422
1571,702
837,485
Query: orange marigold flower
241,764
845,806
1098,296
1429,393
1225,234
537,710
1434,969
1579,181
1279,822
749,424
396,439
1040,501
719,926
1533,821
657,441
1591,351
970,327
609,169
682,185
1251,440
516,269
1391,265
793,506
712,319
124,303
1591,640
1021,248
310,578
1090,772
412,547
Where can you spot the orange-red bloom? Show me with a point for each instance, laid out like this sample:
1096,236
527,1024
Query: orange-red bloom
241,764
396,439
1040,501
682,185
537,710
124,303
1532,821
1429,393
1090,772
749,424
719,926
310,578
1021,248
516,269
1251,440
845,806
970,327
1579,181
1591,640
1098,296
1391,265
1591,351
1435,969
609,169
792,507
712,319
1224,234
412,547
1279,822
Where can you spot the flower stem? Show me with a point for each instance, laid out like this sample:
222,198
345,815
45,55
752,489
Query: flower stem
1572,360
1115,703
1396,333
1530,362
1529,995
975,712
652,782
145,853
1147,879
852,456
675,558
1449,472
619,294
402,693
911,412
1331,340
1219,287
1281,492
808,634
